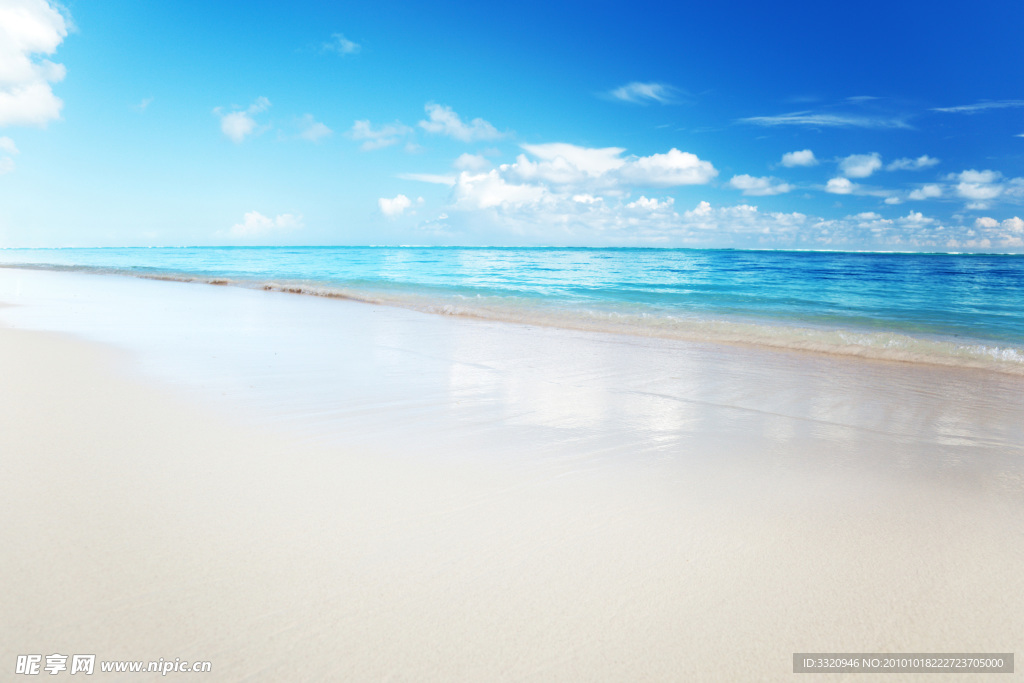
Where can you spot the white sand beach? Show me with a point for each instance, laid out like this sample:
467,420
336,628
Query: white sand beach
300,489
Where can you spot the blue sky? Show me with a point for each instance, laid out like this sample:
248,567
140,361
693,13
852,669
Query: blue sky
806,125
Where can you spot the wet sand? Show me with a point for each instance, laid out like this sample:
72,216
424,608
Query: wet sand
302,489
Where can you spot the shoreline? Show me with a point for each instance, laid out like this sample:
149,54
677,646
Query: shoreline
850,341
485,502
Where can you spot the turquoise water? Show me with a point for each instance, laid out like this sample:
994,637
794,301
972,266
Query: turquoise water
956,309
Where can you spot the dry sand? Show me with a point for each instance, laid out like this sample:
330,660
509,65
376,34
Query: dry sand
138,522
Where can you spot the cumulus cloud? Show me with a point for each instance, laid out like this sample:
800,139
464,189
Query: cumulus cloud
978,186
254,224
804,157
489,190
985,222
1014,225
840,186
860,165
239,124
28,29
759,187
906,164
341,45
312,129
580,189
394,207
376,138
443,120
564,162
588,168
915,218
926,192
645,93
665,170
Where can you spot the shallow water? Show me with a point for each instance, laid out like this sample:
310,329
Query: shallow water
950,309
539,397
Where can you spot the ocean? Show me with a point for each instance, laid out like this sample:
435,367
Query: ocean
945,309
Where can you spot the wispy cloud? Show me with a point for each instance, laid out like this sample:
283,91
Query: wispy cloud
7,151
376,138
759,187
645,93
822,120
907,164
254,225
341,45
434,178
312,129
981,106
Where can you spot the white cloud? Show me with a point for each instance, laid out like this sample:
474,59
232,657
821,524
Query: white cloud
1015,224
981,106
893,200
239,124
915,218
759,187
312,129
588,168
818,120
979,186
376,138
989,232
491,189
444,121
840,186
434,178
255,224
471,162
564,162
905,164
29,28
926,192
144,104
651,205
392,208
860,165
342,45
665,170
7,151
804,157
643,93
